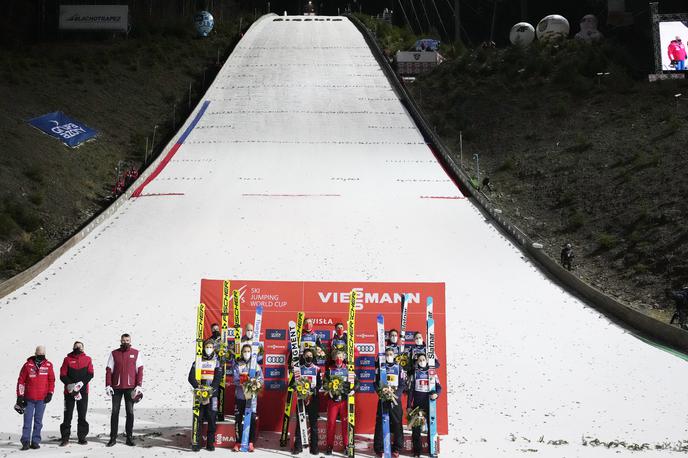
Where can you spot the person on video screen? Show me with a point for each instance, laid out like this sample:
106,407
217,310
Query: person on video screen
677,54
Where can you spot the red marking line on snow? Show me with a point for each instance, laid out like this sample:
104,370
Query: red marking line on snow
443,197
156,194
291,195
170,154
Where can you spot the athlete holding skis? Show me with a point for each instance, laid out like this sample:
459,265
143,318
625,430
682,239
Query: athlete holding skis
311,372
419,396
396,381
393,341
338,342
211,374
241,376
338,390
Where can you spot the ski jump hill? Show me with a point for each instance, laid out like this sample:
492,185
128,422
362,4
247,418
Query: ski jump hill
301,164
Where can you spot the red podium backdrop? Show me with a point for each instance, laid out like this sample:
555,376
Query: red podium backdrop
327,303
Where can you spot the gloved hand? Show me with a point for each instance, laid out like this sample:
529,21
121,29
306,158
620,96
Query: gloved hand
19,409
78,386
138,390
109,391
77,396
21,401
70,387
48,398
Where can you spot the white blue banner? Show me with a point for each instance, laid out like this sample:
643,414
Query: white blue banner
70,131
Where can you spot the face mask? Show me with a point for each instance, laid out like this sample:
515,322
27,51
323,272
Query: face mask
40,358
77,350
246,356
340,332
249,334
308,359
389,358
216,334
308,327
339,360
394,339
125,346
209,351
419,341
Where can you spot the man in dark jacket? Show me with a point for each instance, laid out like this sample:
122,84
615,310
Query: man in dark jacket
680,298
123,379
211,375
75,373
35,387
310,371
567,256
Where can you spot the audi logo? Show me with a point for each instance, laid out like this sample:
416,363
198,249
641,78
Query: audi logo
275,359
366,349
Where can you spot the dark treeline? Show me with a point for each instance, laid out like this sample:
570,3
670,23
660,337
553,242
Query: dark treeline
481,20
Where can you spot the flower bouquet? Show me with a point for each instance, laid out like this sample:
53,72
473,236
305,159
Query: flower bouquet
387,393
415,417
303,388
251,388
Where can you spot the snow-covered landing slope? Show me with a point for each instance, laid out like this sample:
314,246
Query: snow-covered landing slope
305,166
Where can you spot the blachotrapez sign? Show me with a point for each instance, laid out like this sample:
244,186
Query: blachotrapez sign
70,131
94,17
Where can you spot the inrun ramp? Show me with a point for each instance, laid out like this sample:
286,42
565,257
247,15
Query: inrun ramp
301,164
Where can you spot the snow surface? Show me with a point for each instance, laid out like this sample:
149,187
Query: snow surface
302,108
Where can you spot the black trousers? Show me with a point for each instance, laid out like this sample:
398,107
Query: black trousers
312,410
415,432
239,409
207,413
82,424
395,428
129,407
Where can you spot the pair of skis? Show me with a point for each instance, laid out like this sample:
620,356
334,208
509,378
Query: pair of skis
351,372
296,370
430,349
382,367
284,437
251,406
196,422
222,353
237,324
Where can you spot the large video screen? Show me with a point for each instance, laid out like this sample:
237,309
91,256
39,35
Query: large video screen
673,36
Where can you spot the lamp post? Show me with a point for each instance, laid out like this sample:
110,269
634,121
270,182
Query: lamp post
477,167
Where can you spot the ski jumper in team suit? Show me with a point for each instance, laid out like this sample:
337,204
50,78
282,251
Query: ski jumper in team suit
338,343
124,375
241,369
35,387
338,405
419,395
312,372
396,379
76,373
211,374
246,340
310,339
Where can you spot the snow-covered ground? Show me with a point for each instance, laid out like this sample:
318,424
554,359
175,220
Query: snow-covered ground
306,167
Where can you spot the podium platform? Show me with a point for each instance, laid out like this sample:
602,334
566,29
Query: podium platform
225,437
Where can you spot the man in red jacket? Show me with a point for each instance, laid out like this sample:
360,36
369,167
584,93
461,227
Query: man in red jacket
677,54
75,373
35,388
123,379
